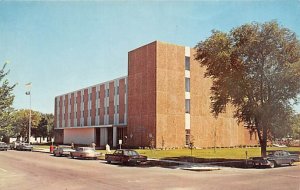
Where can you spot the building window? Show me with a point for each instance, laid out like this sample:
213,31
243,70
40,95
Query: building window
187,105
82,114
117,90
90,96
107,92
98,111
107,110
187,136
75,116
83,98
187,63
187,85
117,109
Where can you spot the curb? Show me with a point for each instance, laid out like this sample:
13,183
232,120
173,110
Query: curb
197,169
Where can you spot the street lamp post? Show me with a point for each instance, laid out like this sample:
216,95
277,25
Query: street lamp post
28,85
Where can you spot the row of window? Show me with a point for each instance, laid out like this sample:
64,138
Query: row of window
97,95
117,110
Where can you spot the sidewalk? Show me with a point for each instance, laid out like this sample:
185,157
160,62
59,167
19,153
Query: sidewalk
44,150
191,166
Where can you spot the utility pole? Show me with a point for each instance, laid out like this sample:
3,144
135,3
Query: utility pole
28,86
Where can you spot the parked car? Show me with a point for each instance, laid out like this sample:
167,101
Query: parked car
63,150
24,146
275,158
14,145
125,156
3,146
85,152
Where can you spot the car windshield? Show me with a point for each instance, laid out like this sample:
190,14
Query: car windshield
130,153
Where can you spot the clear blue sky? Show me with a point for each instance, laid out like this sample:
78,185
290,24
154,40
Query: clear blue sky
65,46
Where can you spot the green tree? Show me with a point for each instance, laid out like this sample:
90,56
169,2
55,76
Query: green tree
21,121
6,100
255,68
45,126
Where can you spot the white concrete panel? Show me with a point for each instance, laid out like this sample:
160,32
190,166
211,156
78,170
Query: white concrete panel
187,121
187,95
89,121
187,51
79,136
187,74
97,120
81,122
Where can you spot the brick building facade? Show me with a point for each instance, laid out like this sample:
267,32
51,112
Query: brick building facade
168,105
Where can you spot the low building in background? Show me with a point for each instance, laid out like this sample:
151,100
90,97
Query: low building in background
164,102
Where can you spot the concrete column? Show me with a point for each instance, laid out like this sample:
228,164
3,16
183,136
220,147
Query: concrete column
114,136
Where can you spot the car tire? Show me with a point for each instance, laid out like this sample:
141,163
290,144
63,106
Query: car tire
272,164
291,162
108,161
72,156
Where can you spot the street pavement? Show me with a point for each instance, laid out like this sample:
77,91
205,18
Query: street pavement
37,170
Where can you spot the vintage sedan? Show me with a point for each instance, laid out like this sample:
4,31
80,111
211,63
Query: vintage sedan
125,156
3,146
24,146
85,152
275,158
62,150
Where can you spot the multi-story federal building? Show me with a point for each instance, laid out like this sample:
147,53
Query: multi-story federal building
164,101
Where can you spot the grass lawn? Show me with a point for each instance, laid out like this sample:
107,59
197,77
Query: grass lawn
225,153
41,146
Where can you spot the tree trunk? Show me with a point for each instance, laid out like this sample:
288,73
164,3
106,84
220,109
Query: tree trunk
263,149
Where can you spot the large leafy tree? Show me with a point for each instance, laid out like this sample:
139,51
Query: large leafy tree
255,68
45,126
6,100
21,121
